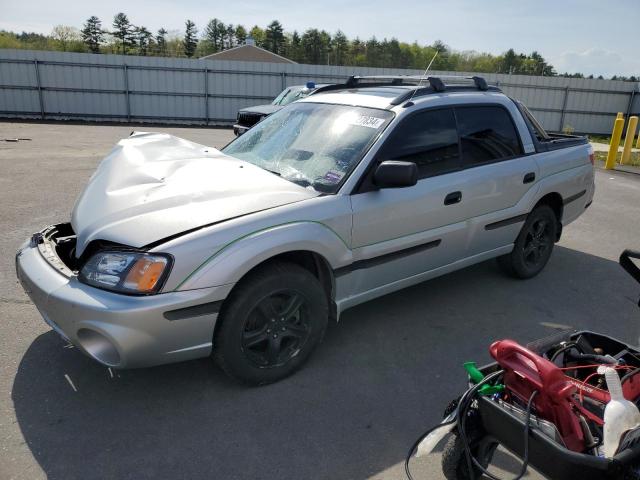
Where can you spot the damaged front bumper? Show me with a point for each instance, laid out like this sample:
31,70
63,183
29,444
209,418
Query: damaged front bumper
117,330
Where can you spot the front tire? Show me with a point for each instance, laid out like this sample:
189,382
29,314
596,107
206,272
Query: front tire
271,323
454,459
533,246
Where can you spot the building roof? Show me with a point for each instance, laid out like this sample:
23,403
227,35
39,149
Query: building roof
248,53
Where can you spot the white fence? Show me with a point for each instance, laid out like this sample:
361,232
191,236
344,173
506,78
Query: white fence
61,85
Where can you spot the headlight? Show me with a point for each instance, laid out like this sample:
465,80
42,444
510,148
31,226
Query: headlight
126,272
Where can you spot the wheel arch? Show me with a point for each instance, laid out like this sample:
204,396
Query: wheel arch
555,202
311,261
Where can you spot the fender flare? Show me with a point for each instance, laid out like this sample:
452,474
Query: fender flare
229,263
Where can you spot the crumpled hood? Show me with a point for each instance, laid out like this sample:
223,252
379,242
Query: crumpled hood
153,185
262,109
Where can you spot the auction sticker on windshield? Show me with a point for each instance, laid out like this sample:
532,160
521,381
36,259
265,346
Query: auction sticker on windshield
367,121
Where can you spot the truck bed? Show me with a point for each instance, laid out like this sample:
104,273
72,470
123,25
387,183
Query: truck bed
557,141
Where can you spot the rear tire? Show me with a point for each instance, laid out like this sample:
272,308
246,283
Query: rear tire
533,247
270,324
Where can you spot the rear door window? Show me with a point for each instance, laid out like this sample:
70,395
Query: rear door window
487,134
429,139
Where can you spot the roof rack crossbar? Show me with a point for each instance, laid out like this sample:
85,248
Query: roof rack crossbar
436,82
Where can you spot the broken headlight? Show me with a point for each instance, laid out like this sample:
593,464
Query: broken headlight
126,272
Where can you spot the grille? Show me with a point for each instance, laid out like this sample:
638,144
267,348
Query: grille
249,119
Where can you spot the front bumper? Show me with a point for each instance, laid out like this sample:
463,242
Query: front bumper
239,129
118,330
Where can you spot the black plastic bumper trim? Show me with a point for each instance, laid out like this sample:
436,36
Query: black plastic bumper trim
573,198
195,311
387,257
506,222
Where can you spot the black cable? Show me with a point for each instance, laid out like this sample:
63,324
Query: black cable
471,461
561,350
417,442
425,434
629,375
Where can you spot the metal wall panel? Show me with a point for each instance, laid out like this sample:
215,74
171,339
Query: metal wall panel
77,103
177,90
17,74
167,107
19,101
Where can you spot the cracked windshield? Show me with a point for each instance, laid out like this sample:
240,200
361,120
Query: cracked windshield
312,144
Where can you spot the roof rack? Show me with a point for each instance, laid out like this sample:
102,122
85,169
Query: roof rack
432,84
436,83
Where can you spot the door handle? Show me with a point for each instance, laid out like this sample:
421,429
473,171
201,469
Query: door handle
453,197
529,177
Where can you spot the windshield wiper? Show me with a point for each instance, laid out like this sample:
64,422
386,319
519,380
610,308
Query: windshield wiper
275,172
299,181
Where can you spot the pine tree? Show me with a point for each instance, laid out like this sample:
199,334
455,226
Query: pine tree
274,37
124,32
241,35
510,62
230,36
340,47
190,41
161,42
143,36
92,34
213,35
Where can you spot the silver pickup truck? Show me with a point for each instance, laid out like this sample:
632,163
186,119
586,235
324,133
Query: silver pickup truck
177,250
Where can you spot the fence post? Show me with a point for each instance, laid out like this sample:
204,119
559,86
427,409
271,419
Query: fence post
283,75
39,84
564,107
630,104
206,96
126,91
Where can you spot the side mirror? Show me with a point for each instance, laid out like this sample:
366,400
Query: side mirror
395,174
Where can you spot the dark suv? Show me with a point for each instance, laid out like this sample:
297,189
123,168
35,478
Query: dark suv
249,116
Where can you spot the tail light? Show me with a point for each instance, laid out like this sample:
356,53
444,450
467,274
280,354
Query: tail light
592,156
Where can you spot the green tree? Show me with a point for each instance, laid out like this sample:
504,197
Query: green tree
214,35
190,42
372,52
92,34
258,36
161,42
230,36
510,62
312,46
357,52
295,51
274,37
240,34
124,31
65,36
340,48
325,45
143,38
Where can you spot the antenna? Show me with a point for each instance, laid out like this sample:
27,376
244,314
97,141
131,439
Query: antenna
424,75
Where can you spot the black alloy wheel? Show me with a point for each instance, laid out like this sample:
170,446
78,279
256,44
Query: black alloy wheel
271,323
534,244
276,329
538,240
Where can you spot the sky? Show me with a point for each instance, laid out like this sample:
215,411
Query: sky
587,36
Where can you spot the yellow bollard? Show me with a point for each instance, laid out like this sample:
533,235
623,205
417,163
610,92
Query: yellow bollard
615,143
628,140
638,142
619,115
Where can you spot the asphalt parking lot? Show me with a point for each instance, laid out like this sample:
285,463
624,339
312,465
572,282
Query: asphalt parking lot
381,377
